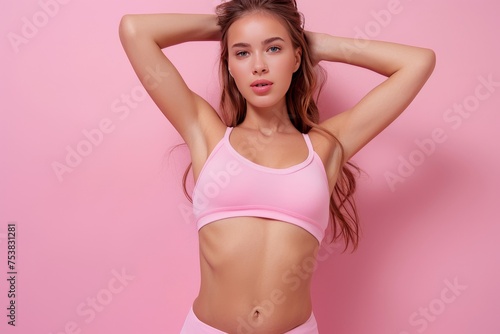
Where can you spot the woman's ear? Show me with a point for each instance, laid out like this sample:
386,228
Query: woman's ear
298,58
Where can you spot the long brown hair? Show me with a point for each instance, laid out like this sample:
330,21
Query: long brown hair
300,100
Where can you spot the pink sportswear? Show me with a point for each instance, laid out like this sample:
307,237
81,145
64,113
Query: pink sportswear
193,325
230,185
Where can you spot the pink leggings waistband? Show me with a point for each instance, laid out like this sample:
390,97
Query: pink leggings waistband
193,325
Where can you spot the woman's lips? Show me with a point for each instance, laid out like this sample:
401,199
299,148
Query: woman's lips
261,86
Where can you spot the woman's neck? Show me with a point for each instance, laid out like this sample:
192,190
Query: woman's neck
268,120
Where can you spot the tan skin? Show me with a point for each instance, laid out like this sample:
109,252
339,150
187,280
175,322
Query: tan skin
243,259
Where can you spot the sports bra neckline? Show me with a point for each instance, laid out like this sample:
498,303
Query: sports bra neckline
255,165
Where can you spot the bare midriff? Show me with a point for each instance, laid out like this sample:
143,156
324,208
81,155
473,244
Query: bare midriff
255,275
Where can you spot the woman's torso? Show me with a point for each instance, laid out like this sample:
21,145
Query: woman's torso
256,272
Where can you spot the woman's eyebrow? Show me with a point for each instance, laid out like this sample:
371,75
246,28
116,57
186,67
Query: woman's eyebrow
264,42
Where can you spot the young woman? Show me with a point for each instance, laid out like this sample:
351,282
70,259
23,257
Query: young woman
268,177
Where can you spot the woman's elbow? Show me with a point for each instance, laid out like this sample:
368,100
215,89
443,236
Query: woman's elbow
428,60
127,27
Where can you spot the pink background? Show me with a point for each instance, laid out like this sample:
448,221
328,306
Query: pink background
119,211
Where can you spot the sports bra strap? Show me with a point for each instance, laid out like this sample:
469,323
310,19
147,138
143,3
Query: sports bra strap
308,142
228,132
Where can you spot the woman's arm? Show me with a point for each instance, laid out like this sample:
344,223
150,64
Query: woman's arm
407,69
143,37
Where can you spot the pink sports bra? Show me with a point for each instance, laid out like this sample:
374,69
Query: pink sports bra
230,185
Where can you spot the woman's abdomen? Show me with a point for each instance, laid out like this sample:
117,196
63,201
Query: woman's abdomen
255,275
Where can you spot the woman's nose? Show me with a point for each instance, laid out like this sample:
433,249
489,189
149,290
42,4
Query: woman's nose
260,66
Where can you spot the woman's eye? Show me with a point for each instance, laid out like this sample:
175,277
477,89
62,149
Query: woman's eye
274,48
242,53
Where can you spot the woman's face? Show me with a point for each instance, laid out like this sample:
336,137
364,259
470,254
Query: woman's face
262,59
